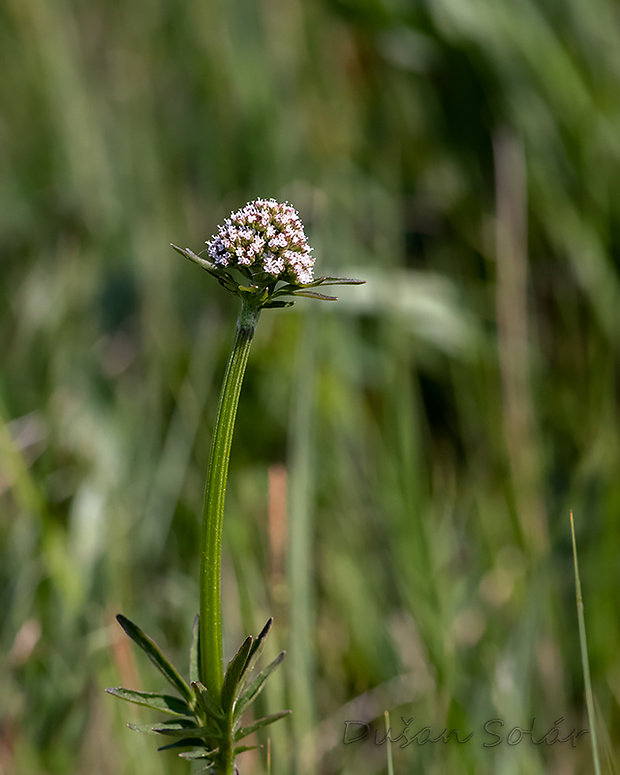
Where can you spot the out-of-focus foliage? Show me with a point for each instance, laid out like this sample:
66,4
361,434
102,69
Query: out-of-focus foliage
432,429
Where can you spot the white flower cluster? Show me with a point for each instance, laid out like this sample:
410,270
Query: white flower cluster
267,236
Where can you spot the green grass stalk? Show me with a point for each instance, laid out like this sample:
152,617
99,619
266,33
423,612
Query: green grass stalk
584,655
211,650
301,542
388,737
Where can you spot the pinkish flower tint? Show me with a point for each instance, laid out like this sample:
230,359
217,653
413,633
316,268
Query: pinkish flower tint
264,236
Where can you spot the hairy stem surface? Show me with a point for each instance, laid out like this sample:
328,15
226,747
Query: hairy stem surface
211,652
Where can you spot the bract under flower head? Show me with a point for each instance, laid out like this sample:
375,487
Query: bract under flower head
267,237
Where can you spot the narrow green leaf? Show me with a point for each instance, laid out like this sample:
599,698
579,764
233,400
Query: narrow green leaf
278,304
233,674
187,253
182,729
315,295
203,263
206,701
200,753
189,742
337,281
145,729
243,748
162,702
292,289
259,724
183,251
256,650
288,288
153,652
253,690
226,281
583,643
194,652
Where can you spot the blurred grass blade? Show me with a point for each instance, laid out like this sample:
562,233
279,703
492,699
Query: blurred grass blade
584,655
153,652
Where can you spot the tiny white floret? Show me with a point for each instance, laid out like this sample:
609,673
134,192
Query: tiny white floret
264,236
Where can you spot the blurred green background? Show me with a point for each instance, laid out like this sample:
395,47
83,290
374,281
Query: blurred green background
405,459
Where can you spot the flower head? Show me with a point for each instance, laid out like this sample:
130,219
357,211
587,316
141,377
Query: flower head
266,237
266,244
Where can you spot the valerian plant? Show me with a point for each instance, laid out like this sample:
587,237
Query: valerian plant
262,255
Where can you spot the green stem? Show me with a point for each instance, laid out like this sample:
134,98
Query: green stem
584,655
211,652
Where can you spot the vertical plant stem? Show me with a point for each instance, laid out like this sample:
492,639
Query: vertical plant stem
211,651
513,339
